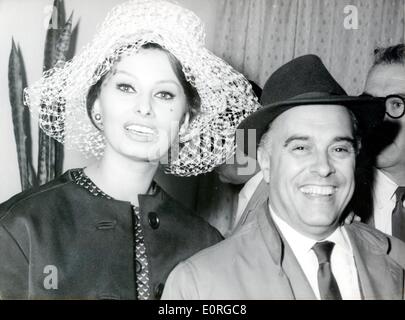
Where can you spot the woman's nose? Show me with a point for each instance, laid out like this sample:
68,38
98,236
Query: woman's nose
143,106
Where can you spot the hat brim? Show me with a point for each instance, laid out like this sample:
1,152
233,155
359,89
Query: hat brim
369,112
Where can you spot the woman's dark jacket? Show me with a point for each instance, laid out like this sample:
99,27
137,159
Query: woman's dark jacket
62,242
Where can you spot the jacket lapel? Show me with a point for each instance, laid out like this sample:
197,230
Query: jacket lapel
379,276
289,269
258,197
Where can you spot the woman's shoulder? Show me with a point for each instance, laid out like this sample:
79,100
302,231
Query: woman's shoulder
38,195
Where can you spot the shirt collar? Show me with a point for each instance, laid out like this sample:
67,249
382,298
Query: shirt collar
301,244
384,188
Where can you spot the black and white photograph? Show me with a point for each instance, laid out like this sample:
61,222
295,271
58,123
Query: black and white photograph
202,150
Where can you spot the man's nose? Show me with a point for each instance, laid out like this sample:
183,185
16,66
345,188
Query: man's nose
323,165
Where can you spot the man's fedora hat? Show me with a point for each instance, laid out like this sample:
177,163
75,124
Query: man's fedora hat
306,81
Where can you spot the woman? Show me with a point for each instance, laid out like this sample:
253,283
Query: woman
144,84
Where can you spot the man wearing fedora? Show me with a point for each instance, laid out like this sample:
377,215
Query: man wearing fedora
296,246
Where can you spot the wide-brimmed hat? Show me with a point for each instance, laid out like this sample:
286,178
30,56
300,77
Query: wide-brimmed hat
59,97
306,81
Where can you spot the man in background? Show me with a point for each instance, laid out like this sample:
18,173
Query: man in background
386,145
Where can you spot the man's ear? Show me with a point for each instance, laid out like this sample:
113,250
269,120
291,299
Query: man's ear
263,158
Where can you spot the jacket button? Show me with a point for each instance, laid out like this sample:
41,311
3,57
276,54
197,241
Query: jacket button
159,290
153,220
138,266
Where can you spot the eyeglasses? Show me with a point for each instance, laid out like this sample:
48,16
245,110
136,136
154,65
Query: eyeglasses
394,105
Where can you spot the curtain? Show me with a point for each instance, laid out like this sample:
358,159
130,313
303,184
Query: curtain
258,36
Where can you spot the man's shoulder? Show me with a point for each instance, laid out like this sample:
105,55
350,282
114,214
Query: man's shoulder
367,233
228,250
378,242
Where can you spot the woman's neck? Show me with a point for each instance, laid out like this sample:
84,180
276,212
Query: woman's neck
122,178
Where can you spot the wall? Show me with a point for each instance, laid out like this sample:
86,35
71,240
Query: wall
26,21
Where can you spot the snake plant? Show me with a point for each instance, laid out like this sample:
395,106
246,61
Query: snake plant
59,46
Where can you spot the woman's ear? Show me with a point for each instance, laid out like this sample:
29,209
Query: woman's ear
185,123
96,115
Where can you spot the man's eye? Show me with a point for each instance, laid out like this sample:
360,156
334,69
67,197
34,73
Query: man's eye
343,150
300,149
165,95
125,88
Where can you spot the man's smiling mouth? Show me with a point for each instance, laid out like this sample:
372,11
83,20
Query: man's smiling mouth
318,190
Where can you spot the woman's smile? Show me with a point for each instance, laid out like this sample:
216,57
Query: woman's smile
141,133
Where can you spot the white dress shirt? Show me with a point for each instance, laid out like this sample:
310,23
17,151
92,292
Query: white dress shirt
384,200
342,259
245,194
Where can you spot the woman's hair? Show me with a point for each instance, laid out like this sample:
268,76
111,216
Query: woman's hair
193,99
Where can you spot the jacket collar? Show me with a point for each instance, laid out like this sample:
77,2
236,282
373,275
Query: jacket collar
380,277
270,234
155,192
283,256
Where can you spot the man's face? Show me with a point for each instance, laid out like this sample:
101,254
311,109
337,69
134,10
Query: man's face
382,81
309,163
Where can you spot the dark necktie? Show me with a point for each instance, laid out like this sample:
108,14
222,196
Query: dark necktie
398,215
327,284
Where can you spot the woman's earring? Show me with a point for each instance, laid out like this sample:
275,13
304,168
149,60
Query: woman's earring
97,121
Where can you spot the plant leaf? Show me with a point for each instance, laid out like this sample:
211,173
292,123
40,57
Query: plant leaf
73,41
17,81
53,32
50,152
63,43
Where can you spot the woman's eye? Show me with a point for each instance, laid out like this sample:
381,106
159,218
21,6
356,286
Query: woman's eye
125,88
165,95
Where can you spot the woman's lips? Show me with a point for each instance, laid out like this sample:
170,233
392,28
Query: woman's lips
141,133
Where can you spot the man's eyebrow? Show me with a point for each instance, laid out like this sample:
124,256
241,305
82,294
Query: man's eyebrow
294,138
346,139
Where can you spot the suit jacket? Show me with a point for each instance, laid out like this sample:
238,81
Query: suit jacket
257,263
89,242
259,196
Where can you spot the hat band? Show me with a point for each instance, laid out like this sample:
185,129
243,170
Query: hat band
316,94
